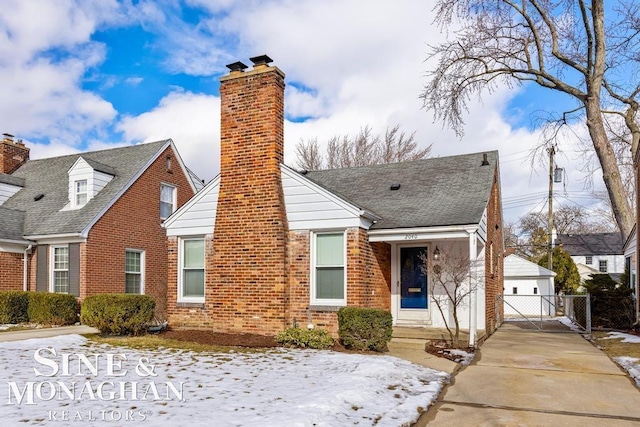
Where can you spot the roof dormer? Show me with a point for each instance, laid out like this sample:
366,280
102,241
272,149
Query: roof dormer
86,179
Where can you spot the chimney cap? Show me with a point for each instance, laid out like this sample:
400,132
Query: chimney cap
237,66
261,60
485,160
8,135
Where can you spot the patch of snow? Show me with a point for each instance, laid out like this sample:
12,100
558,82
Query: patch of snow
628,338
7,326
569,323
631,365
464,357
275,387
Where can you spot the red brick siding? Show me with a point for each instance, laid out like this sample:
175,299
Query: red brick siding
248,290
494,282
368,278
11,271
12,156
133,222
188,315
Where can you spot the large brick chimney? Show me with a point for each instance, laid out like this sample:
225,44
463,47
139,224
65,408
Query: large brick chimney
13,154
249,287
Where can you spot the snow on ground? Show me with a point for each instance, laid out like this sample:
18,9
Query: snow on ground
635,339
631,365
464,357
274,387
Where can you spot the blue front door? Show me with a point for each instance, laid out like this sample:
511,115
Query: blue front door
413,280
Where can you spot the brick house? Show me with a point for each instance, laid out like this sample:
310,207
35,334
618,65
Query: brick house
89,223
263,247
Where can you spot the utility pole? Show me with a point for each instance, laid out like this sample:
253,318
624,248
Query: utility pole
552,152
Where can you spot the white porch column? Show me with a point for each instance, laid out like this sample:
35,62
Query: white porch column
473,295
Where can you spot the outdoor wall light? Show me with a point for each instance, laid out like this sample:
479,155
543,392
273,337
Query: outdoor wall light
436,254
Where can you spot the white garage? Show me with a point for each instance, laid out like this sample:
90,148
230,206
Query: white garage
528,288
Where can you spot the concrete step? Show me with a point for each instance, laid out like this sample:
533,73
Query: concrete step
412,343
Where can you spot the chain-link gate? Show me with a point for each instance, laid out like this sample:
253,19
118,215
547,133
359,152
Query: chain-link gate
549,313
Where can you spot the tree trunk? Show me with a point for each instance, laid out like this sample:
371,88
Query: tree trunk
610,171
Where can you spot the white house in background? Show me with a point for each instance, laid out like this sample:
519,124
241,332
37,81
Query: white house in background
601,251
528,288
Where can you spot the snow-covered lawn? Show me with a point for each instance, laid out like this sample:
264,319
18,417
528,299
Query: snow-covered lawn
182,388
629,364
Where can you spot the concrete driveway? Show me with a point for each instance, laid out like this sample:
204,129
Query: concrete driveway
522,378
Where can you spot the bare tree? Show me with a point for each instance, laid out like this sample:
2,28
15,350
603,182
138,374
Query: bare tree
451,285
565,46
362,150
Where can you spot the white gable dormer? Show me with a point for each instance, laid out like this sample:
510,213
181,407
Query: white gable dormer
86,179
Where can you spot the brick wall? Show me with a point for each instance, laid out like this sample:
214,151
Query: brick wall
133,222
248,290
494,259
12,155
368,278
11,271
187,315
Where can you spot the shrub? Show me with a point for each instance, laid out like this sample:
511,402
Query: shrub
118,314
365,328
305,338
13,307
52,309
612,304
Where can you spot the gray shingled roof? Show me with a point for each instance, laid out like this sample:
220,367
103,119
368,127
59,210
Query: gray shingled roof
439,191
591,244
11,180
49,177
11,224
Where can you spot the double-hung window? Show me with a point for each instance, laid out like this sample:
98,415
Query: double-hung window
603,266
167,200
80,190
328,270
60,269
134,271
191,274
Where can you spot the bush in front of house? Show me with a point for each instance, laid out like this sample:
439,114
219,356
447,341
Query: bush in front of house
612,304
13,307
305,338
52,309
118,314
365,328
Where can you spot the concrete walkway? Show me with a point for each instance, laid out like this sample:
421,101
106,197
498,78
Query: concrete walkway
46,332
522,378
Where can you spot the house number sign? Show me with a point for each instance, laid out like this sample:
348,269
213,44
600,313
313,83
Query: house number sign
410,237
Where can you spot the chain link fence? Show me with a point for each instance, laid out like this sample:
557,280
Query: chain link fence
558,313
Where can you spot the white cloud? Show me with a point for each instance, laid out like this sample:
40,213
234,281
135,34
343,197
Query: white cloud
191,120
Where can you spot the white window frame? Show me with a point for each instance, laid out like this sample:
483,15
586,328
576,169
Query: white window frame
181,297
602,262
53,269
77,193
326,301
141,272
174,196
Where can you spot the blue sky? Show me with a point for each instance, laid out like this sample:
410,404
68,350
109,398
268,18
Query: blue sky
91,74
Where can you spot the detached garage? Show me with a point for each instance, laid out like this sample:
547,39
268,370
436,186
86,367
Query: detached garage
528,288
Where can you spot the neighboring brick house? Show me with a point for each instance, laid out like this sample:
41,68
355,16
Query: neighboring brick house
89,223
263,247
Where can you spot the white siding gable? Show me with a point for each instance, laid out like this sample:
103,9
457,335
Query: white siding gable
7,190
311,207
96,181
308,206
198,216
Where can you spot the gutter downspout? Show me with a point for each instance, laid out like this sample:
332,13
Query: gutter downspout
473,296
25,273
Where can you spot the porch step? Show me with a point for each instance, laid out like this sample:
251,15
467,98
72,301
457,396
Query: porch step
411,343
